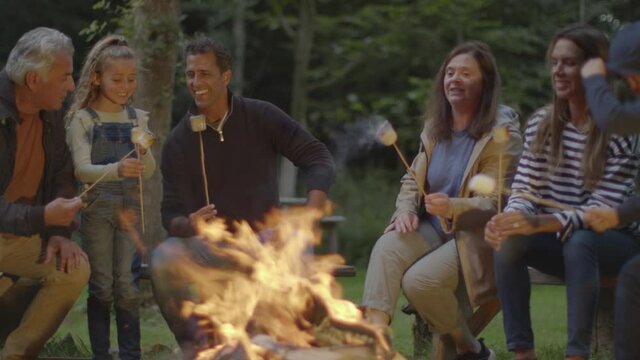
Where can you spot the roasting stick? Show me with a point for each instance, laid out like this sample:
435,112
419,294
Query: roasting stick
198,125
104,174
142,139
501,137
140,189
388,136
485,185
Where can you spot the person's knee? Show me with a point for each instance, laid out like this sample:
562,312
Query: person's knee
511,252
417,285
630,274
167,252
385,247
80,275
581,244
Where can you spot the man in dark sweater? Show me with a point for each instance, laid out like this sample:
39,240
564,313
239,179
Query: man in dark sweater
619,118
241,144
37,188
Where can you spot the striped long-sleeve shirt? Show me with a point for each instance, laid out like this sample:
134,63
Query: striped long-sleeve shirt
565,183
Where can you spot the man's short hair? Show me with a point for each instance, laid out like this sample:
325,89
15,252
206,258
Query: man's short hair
36,50
207,45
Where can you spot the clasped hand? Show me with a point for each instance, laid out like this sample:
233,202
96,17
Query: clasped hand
507,224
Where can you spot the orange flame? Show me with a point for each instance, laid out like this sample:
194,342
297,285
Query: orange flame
268,284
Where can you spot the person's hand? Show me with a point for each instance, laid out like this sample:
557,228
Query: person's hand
592,67
404,223
71,256
130,167
61,211
602,219
503,225
439,204
206,214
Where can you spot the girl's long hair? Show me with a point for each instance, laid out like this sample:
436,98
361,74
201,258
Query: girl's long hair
593,43
109,48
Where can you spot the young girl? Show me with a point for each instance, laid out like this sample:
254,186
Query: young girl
99,136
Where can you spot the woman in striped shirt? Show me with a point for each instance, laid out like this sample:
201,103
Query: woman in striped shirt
567,160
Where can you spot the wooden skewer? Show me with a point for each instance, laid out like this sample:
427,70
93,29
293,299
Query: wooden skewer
409,170
204,170
545,202
141,192
500,181
103,175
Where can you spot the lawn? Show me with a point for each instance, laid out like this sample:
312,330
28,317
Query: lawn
547,303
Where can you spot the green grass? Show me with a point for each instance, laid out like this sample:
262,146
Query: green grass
547,306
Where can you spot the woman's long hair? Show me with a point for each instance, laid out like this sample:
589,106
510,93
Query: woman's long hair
439,118
109,48
593,43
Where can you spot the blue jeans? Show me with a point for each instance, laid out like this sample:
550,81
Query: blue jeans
111,253
627,318
580,260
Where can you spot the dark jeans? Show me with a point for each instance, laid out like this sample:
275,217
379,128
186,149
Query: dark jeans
627,318
580,260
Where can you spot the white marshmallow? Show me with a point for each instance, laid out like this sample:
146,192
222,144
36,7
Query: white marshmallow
386,134
198,123
482,184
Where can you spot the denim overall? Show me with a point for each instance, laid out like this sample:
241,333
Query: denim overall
111,250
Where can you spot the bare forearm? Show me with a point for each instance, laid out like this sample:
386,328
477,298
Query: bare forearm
546,223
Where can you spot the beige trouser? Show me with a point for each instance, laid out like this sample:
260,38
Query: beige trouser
58,291
427,271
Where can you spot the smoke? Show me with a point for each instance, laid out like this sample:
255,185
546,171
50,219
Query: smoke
356,139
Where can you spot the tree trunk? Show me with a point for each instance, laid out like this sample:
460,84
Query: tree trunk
240,41
299,91
155,39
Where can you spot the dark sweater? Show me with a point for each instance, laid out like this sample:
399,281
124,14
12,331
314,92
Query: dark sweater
607,111
618,118
242,170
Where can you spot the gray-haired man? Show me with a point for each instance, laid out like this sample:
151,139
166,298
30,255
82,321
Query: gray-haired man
37,187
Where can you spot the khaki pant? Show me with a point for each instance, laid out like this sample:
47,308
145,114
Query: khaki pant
21,256
427,270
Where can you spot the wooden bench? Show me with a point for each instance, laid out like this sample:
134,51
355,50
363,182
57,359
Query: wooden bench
442,348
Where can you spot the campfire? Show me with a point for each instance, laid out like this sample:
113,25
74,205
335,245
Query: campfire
269,297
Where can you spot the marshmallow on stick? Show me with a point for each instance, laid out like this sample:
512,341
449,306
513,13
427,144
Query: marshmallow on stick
387,136
104,175
486,185
501,137
142,139
198,125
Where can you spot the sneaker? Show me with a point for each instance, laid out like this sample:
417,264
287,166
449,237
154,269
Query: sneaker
484,354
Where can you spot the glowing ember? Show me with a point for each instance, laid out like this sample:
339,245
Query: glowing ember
273,299
386,134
